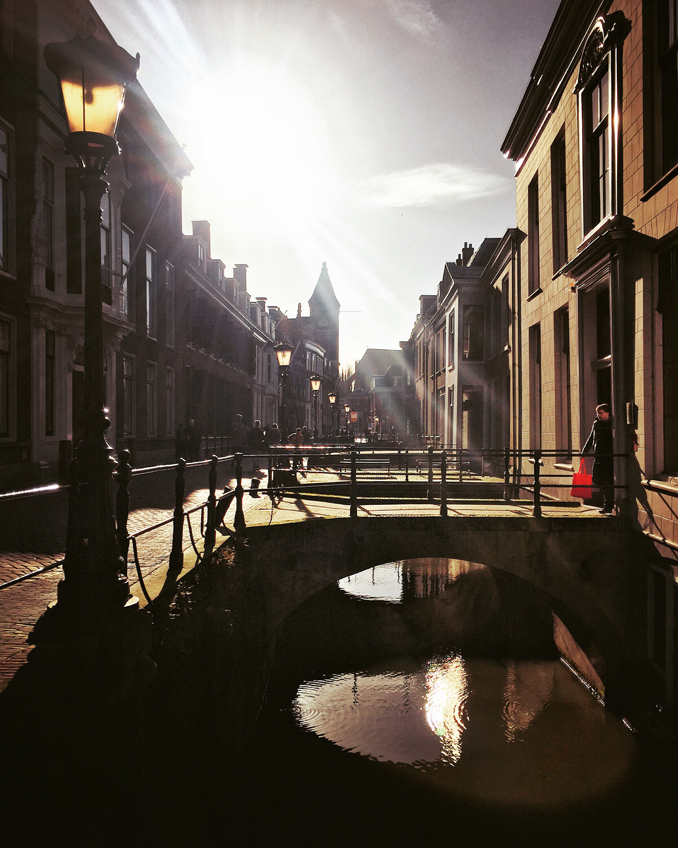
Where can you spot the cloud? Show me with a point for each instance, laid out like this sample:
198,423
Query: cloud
438,185
416,17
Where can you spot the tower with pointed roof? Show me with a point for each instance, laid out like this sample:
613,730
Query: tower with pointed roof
324,316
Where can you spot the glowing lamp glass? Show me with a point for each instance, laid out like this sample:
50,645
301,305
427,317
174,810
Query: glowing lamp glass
315,383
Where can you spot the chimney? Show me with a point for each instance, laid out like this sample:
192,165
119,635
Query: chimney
202,230
299,310
466,253
459,262
240,276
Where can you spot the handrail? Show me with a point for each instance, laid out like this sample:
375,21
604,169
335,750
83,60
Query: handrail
436,481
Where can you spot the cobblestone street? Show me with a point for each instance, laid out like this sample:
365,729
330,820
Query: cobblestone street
33,531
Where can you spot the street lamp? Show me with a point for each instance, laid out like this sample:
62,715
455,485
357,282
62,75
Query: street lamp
332,399
94,76
315,388
283,354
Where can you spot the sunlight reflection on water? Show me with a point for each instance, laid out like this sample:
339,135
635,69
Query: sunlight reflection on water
506,732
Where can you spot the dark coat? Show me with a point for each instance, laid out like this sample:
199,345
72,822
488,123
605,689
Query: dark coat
600,440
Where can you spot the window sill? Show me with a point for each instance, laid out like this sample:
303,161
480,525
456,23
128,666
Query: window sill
534,294
661,182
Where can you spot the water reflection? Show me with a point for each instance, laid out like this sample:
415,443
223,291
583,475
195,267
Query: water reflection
394,582
474,701
446,696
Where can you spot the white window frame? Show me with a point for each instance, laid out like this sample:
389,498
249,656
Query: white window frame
151,277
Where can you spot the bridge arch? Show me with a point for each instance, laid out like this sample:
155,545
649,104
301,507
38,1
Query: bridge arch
591,576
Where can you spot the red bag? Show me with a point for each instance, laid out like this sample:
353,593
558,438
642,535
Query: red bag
582,483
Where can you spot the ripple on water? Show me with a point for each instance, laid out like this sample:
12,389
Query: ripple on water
519,734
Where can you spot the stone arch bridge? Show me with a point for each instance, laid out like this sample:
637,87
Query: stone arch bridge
592,571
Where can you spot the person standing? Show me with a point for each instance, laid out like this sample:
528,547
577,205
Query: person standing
255,441
193,439
238,437
600,440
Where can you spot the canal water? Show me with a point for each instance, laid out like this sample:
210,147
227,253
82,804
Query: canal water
425,700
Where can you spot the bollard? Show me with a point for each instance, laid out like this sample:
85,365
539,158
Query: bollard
536,511
407,465
507,474
443,483
430,473
210,529
270,470
239,520
176,560
123,476
354,484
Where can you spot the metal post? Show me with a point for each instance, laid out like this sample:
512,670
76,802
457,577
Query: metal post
210,530
430,473
536,511
460,463
239,520
507,474
176,561
443,483
407,465
354,484
123,476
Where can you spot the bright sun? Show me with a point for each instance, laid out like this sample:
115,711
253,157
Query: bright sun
269,137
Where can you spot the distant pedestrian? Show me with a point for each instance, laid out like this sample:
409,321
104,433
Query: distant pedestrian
238,436
255,442
296,439
600,439
193,440
273,437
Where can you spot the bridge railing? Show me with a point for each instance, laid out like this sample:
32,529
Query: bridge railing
356,473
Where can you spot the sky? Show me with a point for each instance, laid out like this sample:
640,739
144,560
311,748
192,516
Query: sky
360,133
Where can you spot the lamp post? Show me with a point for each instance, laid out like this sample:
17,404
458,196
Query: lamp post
315,388
347,410
283,354
93,75
332,399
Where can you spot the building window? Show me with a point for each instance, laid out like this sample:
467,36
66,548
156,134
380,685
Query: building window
151,399
450,417
50,375
668,308
535,386
451,351
170,320
128,396
533,280
151,294
106,277
169,400
48,221
505,312
667,34
563,420
202,257
73,233
4,198
598,149
5,376
474,333
559,202
126,269
598,88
